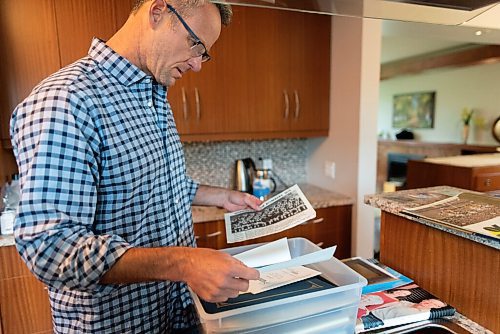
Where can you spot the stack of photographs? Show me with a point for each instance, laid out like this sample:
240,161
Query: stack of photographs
380,277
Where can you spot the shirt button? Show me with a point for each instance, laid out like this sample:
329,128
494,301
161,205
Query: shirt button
150,103
176,201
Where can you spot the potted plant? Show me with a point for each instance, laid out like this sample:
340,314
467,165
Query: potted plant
466,119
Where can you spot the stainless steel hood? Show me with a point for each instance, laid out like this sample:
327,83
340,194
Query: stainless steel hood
447,12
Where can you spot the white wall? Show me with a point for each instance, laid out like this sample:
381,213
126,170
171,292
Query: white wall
351,144
474,86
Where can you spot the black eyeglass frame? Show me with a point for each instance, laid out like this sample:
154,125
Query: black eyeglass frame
204,56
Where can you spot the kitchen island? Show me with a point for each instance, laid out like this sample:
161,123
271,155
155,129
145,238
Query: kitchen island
458,267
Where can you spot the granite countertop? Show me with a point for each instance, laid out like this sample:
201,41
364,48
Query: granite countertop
468,324
473,160
318,197
397,201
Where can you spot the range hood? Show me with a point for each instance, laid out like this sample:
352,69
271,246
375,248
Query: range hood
446,12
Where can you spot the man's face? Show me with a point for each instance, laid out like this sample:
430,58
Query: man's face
172,55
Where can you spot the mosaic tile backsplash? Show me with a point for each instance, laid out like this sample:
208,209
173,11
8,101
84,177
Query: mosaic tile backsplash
213,163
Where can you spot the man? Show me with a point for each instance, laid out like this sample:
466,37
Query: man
105,215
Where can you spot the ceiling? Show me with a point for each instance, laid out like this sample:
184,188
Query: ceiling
405,39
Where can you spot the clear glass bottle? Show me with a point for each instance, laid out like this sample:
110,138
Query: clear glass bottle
10,202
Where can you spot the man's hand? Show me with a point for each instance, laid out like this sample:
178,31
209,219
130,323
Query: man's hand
215,276
230,200
238,201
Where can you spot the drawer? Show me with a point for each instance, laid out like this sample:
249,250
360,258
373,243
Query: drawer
487,182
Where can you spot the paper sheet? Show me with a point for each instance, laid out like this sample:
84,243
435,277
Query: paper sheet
281,277
318,256
270,253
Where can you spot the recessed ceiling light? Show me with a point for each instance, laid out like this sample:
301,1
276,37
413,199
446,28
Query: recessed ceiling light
478,33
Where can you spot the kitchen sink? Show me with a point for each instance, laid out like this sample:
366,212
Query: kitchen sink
438,326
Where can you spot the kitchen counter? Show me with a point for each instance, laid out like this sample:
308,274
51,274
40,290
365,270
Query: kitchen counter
474,160
318,197
7,240
395,202
459,268
468,324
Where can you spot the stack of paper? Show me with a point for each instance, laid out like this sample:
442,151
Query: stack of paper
277,267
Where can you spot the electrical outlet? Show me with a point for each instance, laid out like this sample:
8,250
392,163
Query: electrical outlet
267,164
330,169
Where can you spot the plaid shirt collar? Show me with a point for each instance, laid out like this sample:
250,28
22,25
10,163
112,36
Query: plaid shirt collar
122,69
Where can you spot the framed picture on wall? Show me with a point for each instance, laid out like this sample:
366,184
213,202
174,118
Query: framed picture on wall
413,110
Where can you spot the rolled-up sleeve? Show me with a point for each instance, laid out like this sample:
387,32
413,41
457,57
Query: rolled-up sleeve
192,187
57,150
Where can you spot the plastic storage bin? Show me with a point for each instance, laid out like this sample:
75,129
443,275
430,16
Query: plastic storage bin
328,311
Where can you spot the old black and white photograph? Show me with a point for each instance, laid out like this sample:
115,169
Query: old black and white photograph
283,211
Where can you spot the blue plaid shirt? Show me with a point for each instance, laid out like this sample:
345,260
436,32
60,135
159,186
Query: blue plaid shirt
102,170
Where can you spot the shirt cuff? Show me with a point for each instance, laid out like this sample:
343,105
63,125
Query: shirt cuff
192,187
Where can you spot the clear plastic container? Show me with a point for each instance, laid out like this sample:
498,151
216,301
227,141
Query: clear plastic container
327,311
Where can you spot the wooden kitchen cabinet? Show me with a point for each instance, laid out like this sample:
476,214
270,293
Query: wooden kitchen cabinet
462,272
30,52
423,174
269,76
306,73
41,36
24,301
79,21
270,79
332,226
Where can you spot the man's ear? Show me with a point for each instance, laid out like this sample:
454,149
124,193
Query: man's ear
157,10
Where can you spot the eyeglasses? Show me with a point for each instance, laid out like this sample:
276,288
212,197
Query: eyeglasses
198,49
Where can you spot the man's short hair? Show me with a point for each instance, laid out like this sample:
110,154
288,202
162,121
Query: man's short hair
226,13
184,6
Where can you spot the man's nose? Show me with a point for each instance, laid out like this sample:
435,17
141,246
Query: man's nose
195,64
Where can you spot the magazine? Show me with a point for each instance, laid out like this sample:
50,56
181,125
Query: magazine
380,277
405,304
281,212
469,212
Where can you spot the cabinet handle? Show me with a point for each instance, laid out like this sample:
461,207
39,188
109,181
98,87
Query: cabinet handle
197,99
318,220
184,104
487,182
287,103
207,236
297,104
315,221
211,235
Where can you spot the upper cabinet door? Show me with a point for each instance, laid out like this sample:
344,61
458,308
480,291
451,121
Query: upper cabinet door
310,72
285,70
28,36
79,21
